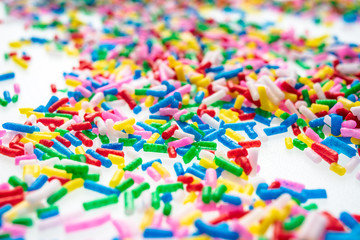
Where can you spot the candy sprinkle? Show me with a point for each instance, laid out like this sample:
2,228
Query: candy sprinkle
160,125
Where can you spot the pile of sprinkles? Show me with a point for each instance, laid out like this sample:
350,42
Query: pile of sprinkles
177,106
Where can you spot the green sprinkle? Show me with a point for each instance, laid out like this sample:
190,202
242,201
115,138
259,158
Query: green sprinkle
228,166
122,187
136,192
152,147
16,181
155,200
167,209
102,202
133,165
171,187
63,115
61,131
23,221
299,144
294,222
104,139
206,194
128,142
56,196
218,192
89,134
129,203
190,154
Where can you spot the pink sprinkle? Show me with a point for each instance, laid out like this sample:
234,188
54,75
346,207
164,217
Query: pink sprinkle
157,220
143,134
211,177
348,132
181,143
95,130
349,124
107,115
243,232
224,208
173,223
168,111
16,88
85,92
14,229
182,90
178,114
94,222
181,232
312,135
153,174
336,107
4,186
122,228
116,85
137,178
24,157
72,101
2,133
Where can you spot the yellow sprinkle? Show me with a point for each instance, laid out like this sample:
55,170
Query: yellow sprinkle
189,219
288,143
37,136
115,159
338,169
180,73
302,137
292,97
161,169
355,141
191,197
21,62
278,112
147,219
239,101
237,137
15,210
150,121
228,183
74,184
207,163
315,108
33,170
27,140
25,110
79,150
196,179
204,83
15,44
48,171
186,99
37,114
346,102
195,78
119,126
264,100
248,189
327,86
153,138
72,82
259,203
116,178
149,101
306,81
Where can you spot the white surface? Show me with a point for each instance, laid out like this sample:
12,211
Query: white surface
275,160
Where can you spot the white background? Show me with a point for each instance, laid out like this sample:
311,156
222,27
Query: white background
274,159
